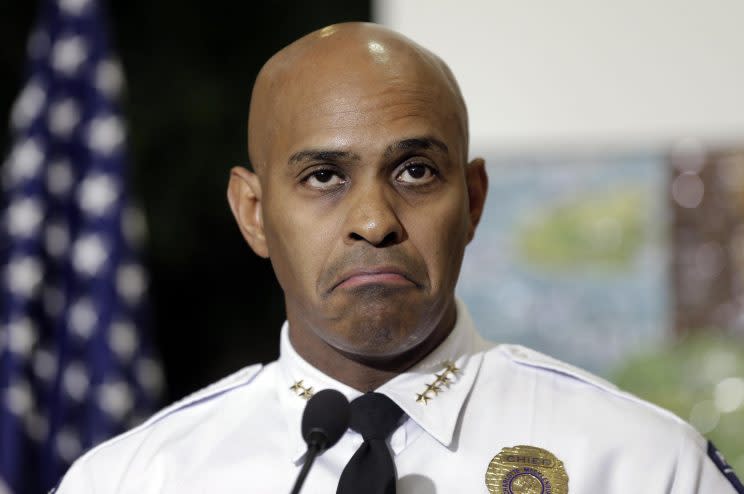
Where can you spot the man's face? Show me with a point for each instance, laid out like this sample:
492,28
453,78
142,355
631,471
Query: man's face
365,208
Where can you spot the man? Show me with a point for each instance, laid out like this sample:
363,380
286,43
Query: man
363,199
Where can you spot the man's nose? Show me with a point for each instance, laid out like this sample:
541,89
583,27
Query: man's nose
372,217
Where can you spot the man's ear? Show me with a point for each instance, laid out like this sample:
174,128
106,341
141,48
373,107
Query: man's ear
244,196
477,182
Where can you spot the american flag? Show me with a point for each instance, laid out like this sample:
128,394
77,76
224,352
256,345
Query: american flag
76,365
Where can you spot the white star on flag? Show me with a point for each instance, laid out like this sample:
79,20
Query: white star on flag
97,194
25,160
68,54
106,134
23,276
24,217
73,7
64,115
88,254
28,106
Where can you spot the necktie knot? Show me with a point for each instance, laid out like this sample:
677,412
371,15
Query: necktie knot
374,416
371,470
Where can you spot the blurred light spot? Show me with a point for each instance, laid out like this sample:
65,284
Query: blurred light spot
106,134
134,226
131,282
150,376
74,7
97,194
123,339
688,155
22,336
24,217
28,106
23,276
45,364
705,416
109,77
18,398
25,161
83,318
688,190
75,381
68,54
89,254
729,394
56,239
116,399
64,115
68,444
59,178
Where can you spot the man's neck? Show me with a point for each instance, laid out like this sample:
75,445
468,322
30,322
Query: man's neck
356,372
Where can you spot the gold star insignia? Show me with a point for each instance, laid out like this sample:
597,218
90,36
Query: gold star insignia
433,388
307,393
451,367
443,378
422,398
296,386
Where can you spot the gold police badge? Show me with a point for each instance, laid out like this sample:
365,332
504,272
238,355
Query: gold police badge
526,470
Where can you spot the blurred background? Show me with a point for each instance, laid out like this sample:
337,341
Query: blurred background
613,236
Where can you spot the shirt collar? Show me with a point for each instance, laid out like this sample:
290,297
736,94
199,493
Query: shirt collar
431,393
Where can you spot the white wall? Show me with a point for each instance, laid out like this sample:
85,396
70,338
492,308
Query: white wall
597,73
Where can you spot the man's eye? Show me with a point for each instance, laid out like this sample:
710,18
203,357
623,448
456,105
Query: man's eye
324,179
416,174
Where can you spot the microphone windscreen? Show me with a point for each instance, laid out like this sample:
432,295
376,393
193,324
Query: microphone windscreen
327,412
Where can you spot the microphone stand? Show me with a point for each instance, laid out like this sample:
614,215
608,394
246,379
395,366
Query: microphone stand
315,446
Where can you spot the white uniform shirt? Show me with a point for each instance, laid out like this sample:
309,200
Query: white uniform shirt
464,403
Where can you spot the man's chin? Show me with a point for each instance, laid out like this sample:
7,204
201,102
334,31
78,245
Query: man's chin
379,327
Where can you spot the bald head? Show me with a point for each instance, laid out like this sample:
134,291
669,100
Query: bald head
339,66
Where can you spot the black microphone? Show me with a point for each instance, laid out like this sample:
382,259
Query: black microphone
324,421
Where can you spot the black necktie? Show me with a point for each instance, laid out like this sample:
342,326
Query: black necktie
371,470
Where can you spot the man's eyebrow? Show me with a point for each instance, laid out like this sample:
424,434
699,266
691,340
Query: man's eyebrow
322,155
414,144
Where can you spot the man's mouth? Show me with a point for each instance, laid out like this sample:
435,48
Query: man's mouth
383,275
